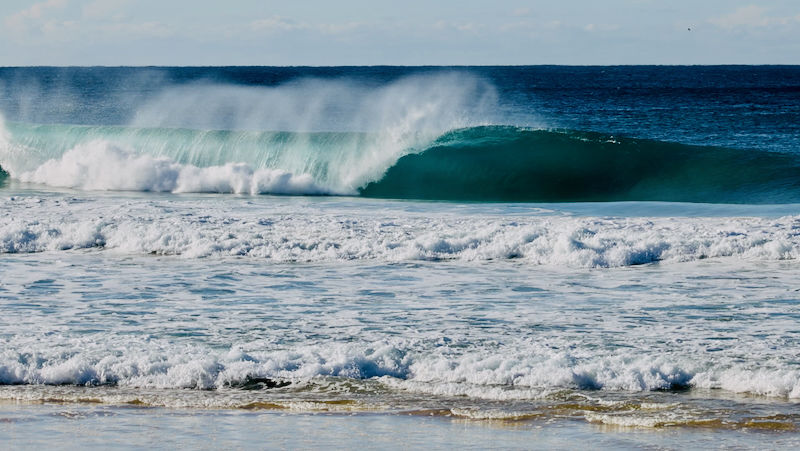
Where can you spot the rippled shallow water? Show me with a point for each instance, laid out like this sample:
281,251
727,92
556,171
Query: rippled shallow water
126,427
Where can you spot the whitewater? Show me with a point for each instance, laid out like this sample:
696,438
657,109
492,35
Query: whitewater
549,252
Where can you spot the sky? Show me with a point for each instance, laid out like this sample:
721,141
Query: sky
388,32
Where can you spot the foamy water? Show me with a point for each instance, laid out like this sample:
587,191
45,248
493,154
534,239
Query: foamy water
416,308
281,231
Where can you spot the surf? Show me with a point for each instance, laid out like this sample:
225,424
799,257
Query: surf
481,163
435,137
322,136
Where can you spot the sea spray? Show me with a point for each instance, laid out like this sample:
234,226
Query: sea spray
416,105
4,143
281,132
342,133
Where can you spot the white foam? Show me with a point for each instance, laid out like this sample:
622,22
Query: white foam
638,421
658,405
527,374
574,333
103,166
286,233
783,383
475,414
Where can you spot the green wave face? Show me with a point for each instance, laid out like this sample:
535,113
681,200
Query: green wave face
517,165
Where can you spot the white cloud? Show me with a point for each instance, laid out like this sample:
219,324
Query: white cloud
472,26
524,11
751,16
105,9
276,24
554,25
440,25
515,26
56,22
55,26
138,30
38,11
338,28
600,27
445,26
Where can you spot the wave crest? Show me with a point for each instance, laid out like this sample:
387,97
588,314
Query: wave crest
330,137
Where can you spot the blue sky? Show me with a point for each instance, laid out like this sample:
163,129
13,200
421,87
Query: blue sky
409,32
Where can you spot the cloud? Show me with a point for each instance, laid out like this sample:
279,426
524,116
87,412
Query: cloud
105,9
471,26
57,22
600,27
751,16
138,30
442,25
524,11
515,26
276,24
338,28
55,26
554,25
19,21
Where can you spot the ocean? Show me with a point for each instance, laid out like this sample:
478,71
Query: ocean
471,257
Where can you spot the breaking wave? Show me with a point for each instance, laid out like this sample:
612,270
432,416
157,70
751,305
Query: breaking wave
397,364
417,138
483,163
327,137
